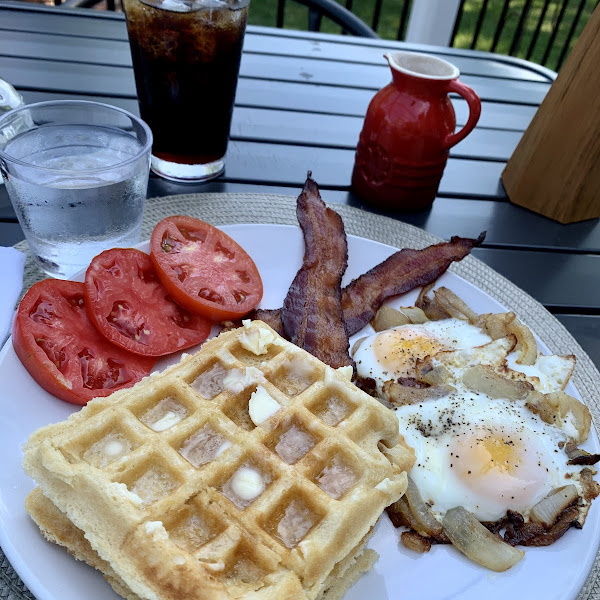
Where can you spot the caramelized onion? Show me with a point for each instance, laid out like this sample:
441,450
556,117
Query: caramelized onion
555,407
414,314
387,317
429,306
548,510
400,395
502,324
415,542
421,510
427,373
469,536
402,516
577,456
454,306
525,342
482,378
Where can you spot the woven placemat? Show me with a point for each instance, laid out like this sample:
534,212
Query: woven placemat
224,209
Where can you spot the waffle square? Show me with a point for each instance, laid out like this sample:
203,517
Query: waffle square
249,469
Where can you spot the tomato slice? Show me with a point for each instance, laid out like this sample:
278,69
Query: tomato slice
129,306
204,269
62,351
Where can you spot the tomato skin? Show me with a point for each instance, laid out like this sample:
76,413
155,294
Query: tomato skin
62,351
204,269
129,306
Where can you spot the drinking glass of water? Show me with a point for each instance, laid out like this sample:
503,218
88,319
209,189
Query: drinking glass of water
76,173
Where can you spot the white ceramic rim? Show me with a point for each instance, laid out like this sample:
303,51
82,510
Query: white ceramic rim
394,57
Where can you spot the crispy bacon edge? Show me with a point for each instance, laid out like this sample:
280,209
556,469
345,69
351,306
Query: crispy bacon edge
312,311
400,273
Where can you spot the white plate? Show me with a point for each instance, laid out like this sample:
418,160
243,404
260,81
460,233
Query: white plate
553,573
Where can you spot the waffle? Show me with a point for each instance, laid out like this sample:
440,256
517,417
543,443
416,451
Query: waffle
248,470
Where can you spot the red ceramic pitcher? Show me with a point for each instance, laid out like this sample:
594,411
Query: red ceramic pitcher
408,132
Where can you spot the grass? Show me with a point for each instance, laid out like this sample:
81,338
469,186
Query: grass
264,12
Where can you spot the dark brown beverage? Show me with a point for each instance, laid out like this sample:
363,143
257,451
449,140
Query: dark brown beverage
186,59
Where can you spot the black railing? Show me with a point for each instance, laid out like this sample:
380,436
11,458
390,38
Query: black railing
543,31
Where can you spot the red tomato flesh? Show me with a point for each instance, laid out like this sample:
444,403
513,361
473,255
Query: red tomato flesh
129,306
62,351
204,269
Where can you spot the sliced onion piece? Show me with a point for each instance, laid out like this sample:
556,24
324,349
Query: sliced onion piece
415,314
404,516
483,378
469,536
387,317
421,510
400,395
429,306
454,306
415,542
427,373
525,342
548,510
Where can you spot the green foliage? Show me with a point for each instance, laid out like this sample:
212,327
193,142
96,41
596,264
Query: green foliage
472,9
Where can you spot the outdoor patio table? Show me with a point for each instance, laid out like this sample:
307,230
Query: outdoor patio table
300,106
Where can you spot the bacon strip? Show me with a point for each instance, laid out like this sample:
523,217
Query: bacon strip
403,271
272,317
312,312
398,274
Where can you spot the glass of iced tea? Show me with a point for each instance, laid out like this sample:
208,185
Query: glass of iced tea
186,58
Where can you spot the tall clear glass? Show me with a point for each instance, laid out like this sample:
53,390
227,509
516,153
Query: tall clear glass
186,58
76,173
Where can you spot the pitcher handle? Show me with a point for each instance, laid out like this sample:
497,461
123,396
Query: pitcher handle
474,112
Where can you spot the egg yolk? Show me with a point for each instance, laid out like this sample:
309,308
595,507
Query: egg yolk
397,350
499,467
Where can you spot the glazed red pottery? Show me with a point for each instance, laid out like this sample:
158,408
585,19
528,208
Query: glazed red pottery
408,132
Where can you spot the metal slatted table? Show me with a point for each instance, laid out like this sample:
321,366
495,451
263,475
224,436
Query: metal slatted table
300,105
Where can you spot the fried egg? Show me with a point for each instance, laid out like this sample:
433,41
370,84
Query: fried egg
486,455
393,353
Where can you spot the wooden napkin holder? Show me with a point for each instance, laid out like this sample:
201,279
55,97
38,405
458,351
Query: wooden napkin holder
555,169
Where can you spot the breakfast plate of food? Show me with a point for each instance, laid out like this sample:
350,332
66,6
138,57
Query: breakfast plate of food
491,484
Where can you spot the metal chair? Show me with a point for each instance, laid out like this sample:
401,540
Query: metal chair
317,9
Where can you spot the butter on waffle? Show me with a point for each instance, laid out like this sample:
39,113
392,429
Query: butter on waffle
179,490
